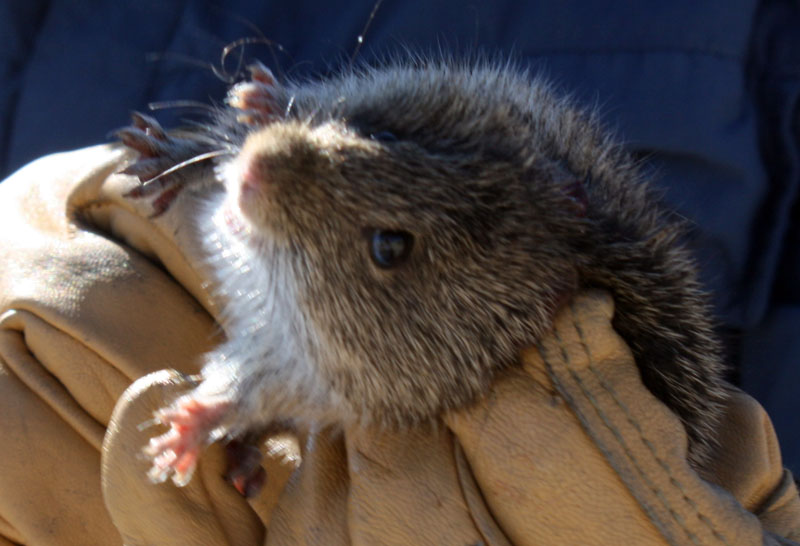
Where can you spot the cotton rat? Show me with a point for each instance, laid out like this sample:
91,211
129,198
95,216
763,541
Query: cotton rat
389,238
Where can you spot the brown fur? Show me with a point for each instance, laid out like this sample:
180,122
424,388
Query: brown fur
515,199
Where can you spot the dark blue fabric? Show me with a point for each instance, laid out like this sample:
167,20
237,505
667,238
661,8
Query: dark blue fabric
706,93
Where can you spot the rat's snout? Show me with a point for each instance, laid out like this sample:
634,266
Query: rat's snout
248,181
284,157
253,178
276,151
272,161
282,167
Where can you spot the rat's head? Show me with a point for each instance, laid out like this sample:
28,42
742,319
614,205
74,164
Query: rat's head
424,220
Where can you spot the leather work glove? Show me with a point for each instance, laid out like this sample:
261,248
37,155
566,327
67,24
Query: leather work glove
97,299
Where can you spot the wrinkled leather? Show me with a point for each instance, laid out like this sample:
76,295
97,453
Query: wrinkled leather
97,300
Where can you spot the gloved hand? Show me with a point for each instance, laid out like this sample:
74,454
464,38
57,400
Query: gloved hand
568,448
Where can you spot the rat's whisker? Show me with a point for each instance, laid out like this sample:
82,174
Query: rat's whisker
155,57
192,161
167,104
289,107
239,44
360,39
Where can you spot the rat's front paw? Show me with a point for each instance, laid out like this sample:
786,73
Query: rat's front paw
165,161
255,98
194,423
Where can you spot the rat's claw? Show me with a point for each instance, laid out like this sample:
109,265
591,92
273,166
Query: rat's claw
140,140
173,454
146,169
255,97
157,154
180,468
149,125
251,96
166,162
162,203
165,189
260,73
193,425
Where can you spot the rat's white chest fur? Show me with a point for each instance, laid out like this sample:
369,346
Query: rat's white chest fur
267,366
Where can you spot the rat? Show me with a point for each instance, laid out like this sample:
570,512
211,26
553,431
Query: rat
387,239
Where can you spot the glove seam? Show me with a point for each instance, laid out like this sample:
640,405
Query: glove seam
637,426
659,494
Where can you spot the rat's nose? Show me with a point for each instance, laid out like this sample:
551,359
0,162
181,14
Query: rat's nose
268,171
253,177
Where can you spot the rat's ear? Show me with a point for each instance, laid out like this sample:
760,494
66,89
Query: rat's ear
256,97
570,185
575,191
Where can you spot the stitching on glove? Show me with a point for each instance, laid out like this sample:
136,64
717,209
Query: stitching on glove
635,424
656,491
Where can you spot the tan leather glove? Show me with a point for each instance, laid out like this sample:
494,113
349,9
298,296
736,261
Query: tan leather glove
569,448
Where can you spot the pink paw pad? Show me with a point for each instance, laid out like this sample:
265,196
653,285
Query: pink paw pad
193,425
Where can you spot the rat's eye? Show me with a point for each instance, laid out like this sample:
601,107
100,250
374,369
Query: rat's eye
389,248
383,136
